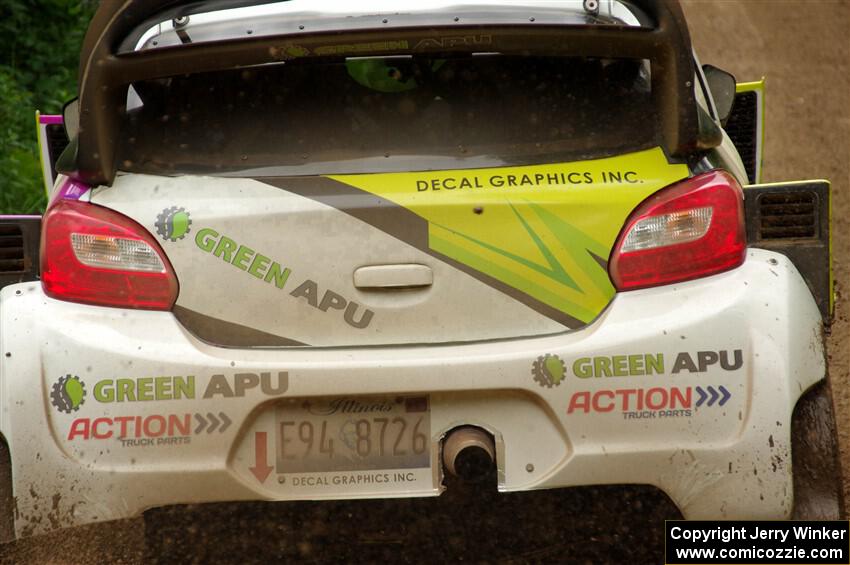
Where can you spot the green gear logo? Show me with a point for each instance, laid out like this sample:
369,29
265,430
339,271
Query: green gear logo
68,394
548,370
173,223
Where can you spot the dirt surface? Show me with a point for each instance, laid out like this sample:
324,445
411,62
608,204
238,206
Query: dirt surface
803,49
471,523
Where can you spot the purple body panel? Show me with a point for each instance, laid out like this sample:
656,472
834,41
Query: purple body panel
71,190
49,119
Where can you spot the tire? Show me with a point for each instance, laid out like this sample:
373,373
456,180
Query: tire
7,501
814,453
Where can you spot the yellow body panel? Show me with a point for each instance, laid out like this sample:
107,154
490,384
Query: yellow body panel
545,230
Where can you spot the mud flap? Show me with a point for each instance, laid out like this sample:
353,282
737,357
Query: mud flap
793,218
814,452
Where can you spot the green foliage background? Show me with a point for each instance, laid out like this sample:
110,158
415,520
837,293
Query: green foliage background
39,55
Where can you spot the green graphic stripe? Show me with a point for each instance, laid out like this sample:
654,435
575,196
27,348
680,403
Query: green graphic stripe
580,247
557,271
577,244
510,278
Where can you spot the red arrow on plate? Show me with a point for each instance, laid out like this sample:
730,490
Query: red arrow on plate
261,468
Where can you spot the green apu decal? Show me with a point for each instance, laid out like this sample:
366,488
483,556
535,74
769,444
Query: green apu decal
262,267
173,223
184,387
68,394
654,364
550,370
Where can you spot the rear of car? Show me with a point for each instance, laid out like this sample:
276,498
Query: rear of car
316,255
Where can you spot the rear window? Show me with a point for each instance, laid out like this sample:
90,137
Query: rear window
388,114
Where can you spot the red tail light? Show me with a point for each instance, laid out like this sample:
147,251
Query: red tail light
689,230
93,255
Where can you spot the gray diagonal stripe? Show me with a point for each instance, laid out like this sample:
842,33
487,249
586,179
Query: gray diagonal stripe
402,224
227,334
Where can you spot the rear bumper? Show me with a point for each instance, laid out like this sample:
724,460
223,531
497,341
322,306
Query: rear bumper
703,380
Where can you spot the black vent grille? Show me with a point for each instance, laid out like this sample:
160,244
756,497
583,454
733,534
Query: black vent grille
57,141
12,257
742,128
788,215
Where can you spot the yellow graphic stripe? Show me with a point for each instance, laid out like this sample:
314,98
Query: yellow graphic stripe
541,229
41,153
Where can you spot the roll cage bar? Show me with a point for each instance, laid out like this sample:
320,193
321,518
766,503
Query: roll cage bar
105,74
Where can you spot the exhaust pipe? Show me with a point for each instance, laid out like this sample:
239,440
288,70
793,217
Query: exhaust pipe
469,453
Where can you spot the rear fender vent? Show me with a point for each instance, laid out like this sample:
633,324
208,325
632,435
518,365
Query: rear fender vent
12,257
788,215
19,243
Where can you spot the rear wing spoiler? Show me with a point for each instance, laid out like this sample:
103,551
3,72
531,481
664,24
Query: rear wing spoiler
105,73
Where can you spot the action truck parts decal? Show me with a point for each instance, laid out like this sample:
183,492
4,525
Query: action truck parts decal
151,430
655,402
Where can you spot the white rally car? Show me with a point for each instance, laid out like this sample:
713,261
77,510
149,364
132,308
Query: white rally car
304,250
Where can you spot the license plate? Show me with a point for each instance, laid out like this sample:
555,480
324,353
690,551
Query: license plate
353,433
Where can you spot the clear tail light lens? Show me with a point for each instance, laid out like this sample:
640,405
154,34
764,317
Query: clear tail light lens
94,255
117,253
668,229
692,229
